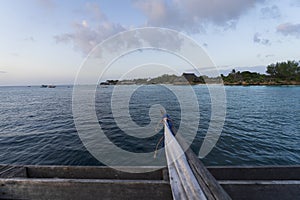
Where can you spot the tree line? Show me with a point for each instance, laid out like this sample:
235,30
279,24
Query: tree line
278,73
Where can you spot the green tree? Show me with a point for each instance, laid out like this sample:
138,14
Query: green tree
271,69
284,71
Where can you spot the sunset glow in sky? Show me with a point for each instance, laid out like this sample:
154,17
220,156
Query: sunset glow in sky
45,41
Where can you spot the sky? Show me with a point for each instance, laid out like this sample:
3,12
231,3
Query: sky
46,41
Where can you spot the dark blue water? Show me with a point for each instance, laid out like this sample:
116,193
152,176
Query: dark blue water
261,126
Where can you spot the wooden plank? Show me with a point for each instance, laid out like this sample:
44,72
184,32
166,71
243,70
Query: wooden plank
212,188
3,167
166,176
262,190
257,189
83,189
82,172
220,172
256,172
182,180
13,171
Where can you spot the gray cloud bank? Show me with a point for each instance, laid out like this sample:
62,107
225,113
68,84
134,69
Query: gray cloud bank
183,15
272,12
188,15
85,37
48,4
289,29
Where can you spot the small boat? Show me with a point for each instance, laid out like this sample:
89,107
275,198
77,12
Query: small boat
44,86
51,86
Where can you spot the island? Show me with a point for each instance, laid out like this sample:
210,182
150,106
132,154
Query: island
280,73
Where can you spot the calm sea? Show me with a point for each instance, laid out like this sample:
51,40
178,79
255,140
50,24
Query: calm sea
261,126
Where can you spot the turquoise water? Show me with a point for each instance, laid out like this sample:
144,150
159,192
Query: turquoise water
261,125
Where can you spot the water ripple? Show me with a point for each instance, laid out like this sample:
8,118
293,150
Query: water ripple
261,126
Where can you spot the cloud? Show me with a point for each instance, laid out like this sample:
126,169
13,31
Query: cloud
189,15
30,39
269,55
257,39
48,4
272,12
295,3
289,29
94,10
85,37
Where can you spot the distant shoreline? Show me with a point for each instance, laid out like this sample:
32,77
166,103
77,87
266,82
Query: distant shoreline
264,84
283,73
233,79
225,84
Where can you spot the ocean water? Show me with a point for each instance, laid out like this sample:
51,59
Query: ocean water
261,125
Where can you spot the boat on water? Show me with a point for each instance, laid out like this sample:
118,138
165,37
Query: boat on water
48,86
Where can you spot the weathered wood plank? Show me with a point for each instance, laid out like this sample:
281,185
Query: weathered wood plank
256,173
83,189
182,180
208,183
256,189
82,172
13,171
262,190
3,167
204,175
